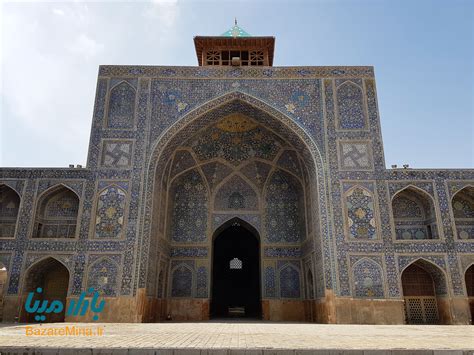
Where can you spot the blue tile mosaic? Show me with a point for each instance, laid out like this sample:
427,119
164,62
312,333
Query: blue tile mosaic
280,148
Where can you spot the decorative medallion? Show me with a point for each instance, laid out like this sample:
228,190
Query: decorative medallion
236,122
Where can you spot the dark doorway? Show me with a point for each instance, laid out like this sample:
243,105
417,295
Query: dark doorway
236,273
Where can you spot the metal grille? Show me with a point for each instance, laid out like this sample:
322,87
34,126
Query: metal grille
421,310
235,264
430,310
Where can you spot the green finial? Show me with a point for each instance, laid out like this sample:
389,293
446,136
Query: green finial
236,31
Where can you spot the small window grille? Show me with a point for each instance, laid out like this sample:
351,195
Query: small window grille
256,58
235,264
213,58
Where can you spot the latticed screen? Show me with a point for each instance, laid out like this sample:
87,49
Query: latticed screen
224,57
421,310
213,58
256,58
236,264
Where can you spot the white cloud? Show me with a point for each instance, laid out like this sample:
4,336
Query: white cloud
85,46
165,11
50,58
58,12
47,91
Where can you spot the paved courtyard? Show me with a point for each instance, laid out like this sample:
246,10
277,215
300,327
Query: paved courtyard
241,337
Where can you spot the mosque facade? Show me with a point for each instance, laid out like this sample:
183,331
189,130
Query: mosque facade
238,189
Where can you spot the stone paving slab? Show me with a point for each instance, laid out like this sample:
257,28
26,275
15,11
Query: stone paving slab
252,338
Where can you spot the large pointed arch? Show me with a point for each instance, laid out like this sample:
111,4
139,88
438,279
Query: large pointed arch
204,115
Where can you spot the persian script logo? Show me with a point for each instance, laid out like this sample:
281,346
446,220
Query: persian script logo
76,307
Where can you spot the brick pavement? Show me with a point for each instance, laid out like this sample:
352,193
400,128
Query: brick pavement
243,337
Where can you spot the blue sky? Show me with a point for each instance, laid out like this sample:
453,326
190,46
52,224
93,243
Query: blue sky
422,52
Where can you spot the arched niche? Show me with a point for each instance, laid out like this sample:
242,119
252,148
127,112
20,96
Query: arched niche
102,276
247,162
121,109
350,106
9,207
423,285
284,209
414,215
463,211
368,280
110,212
360,213
289,281
182,277
236,194
188,208
56,213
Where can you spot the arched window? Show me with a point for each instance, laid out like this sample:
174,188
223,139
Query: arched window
56,215
9,206
414,215
463,210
